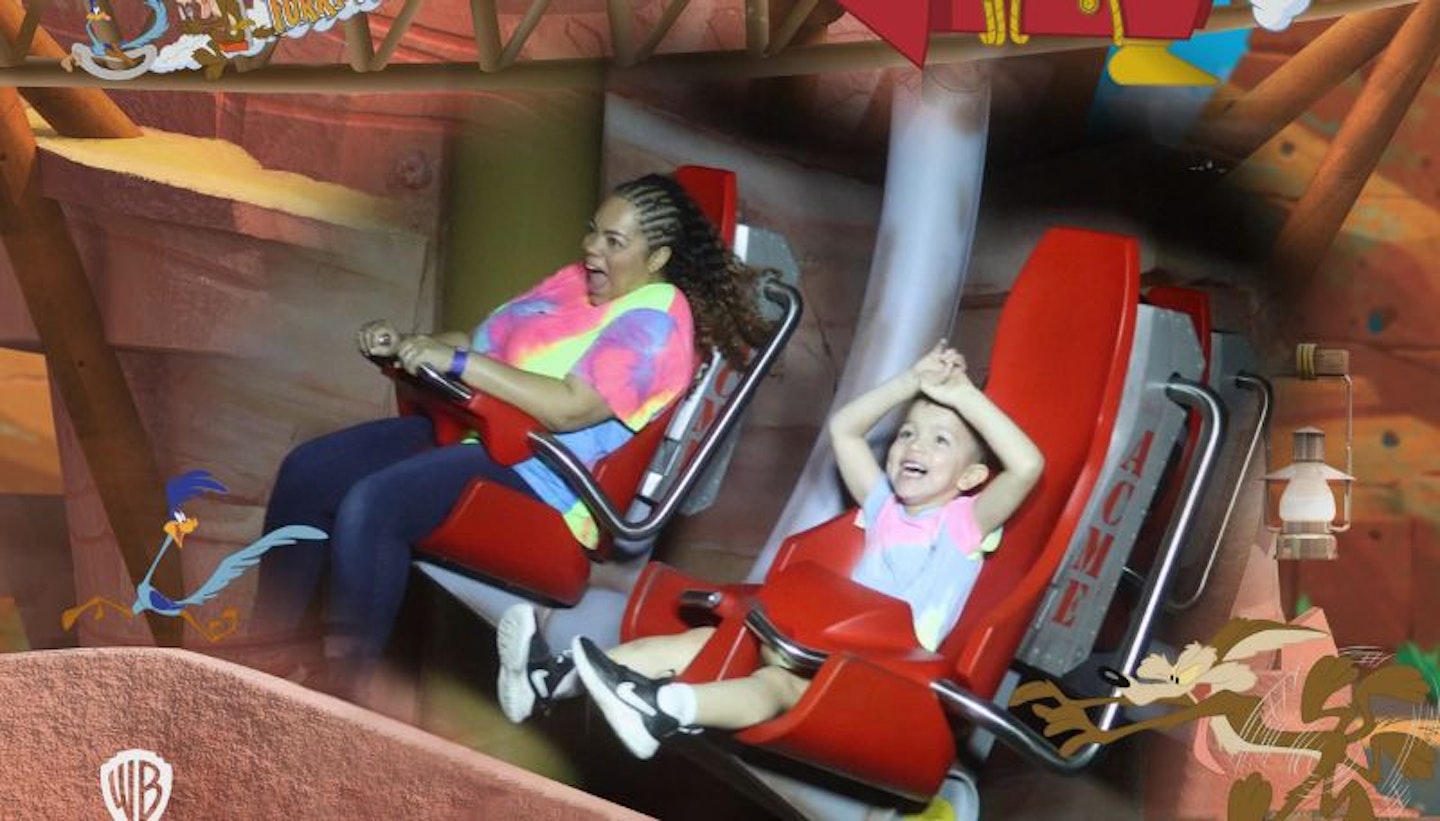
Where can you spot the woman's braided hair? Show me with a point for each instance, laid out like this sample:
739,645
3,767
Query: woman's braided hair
720,288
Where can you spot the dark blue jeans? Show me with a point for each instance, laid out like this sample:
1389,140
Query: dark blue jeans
378,489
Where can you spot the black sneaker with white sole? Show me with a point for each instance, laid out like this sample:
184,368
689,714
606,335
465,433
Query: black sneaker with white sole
627,699
530,675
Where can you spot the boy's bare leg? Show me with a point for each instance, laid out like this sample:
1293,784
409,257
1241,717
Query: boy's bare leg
662,656
643,710
728,705
744,702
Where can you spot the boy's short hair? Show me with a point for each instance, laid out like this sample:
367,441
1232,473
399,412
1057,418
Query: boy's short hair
985,456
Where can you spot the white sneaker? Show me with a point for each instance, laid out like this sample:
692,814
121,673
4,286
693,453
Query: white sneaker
513,635
529,675
627,700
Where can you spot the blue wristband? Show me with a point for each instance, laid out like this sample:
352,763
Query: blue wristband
458,363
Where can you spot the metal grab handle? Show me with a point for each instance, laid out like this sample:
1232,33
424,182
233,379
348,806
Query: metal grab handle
797,656
561,460
446,385
443,384
1266,397
1202,468
1009,730
1007,727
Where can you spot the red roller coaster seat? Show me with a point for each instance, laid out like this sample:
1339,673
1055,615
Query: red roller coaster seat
518,540
1058,370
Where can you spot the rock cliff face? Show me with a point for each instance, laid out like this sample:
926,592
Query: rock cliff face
28,460
35,566
242,745
229,292
1373,296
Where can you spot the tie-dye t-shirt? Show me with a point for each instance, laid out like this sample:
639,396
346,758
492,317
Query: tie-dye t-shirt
637,351
929,560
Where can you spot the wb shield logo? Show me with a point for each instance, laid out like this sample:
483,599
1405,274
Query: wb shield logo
136,785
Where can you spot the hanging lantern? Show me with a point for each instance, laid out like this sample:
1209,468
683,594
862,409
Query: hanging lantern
1307,505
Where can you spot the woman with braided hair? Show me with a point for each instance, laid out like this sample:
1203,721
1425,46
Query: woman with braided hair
593,352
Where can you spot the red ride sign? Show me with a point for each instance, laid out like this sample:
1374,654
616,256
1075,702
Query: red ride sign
907,24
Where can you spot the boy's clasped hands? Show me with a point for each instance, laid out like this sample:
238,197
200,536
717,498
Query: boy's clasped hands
941,373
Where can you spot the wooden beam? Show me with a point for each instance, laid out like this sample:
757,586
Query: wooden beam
799,13
1310,229
9,55
398,27
522,32
73,112
485,20
622,31
33,10
359,48
757,27
82,364
291,78
1235,129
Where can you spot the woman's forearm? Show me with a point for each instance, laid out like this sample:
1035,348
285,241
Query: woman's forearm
455,339
558,404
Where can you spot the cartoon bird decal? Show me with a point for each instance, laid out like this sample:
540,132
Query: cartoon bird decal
109,55
1209,682
178,491
105,37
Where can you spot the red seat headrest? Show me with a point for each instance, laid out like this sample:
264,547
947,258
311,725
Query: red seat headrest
713,189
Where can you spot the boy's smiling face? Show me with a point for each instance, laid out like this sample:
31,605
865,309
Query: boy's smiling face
934,457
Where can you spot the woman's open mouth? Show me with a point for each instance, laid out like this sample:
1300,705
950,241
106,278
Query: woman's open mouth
596,279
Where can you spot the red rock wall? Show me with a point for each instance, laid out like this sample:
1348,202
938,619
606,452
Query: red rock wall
35,566
233,325
1375,296
241,745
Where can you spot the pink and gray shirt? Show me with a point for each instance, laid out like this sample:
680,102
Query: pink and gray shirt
929,560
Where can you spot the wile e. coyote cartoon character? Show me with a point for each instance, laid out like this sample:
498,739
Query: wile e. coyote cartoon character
1239,724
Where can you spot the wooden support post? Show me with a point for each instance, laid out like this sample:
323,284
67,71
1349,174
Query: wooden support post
398,27
83,365
485,19
796,17
757,27
522,32
73,112
9,55
622,31
1311,227
359,49
1237,128
29,26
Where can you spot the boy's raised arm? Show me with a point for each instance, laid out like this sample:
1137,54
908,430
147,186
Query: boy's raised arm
1021,462
853,455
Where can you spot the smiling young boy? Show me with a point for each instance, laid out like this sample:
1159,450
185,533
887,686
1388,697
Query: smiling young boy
924,544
